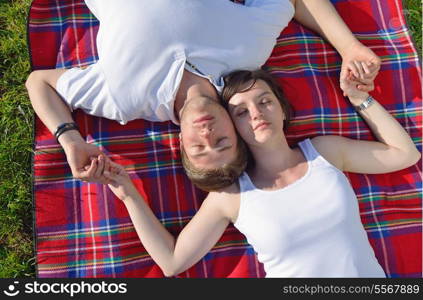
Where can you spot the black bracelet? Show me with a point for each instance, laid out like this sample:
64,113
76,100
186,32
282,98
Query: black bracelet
63,128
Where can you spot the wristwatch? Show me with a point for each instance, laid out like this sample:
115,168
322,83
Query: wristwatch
365,104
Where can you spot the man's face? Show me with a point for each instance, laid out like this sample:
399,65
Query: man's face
207,133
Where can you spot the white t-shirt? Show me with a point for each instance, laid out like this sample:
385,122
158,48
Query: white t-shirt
310,228
144,46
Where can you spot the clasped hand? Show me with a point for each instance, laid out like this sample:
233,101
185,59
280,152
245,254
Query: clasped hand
89,164
363,63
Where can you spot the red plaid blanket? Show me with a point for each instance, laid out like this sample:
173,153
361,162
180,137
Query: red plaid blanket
82,230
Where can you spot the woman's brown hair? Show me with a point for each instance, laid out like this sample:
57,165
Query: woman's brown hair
235,83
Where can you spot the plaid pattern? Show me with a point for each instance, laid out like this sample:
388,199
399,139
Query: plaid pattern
81,230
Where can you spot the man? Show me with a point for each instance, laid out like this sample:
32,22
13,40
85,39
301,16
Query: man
165,60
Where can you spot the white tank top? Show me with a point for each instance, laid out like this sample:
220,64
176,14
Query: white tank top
310,228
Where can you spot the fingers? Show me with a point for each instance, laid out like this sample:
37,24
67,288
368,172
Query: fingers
365,67
360,73
91,170
106,169
372,71
353,68
360,69
106,163
112,175
100,166
366,84
94,172
103,164
350,85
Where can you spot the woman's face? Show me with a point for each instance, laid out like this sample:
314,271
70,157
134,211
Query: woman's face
257,114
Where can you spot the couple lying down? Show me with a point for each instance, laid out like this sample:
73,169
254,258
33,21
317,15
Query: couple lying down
294,205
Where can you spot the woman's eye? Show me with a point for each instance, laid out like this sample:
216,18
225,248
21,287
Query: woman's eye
241,113
266,101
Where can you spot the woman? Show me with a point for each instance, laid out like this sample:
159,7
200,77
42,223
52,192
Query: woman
294,205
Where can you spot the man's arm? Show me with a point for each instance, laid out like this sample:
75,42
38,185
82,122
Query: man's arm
322,17
52,111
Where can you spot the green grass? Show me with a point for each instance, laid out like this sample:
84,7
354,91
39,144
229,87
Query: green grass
16,117
413,14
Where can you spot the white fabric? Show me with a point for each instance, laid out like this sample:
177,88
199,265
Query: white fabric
143,46
310,228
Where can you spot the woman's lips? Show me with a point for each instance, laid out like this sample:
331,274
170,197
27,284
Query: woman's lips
261,125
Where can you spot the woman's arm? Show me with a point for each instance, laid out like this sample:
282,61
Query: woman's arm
393,151
194,241
52,111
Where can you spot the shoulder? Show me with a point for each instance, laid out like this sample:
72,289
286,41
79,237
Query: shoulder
330,147
325,141
226,201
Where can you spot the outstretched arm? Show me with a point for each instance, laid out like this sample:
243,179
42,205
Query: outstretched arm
393,151
52,111
321,17
194,241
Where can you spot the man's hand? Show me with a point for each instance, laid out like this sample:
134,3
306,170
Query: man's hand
349,85
86,161
364,65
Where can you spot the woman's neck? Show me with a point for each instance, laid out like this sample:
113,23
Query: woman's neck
274,158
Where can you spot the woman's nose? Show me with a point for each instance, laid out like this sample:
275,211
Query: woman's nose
255,113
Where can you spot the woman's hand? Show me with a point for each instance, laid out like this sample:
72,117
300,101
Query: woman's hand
119,181
350,86
364,65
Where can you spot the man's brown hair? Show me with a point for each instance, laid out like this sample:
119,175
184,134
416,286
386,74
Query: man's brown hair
217,178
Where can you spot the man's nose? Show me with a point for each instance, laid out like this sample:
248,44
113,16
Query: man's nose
206,132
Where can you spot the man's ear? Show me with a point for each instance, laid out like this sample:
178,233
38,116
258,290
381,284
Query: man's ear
180,140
